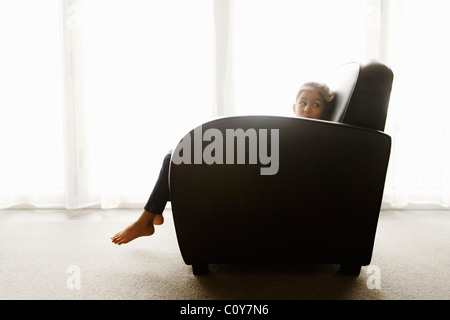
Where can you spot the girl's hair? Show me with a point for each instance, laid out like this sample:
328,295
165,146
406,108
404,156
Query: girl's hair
324,91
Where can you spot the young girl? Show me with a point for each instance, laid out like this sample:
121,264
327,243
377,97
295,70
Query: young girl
313,101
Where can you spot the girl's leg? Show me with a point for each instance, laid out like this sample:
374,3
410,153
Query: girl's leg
152,215
160,194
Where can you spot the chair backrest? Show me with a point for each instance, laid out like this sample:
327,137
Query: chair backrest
362,94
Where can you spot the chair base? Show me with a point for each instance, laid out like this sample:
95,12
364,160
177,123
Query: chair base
199,269
351,269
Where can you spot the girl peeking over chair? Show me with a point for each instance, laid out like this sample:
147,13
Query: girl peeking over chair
313,101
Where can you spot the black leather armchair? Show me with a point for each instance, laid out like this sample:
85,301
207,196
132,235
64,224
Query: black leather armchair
322,204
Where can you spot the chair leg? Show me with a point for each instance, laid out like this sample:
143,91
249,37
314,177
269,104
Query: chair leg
351,269
199,269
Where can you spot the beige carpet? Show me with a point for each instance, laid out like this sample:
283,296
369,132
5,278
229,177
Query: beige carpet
52,256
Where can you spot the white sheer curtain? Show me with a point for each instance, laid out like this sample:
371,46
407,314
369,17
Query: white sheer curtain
148,80
31,128
95,92
281,44
419,116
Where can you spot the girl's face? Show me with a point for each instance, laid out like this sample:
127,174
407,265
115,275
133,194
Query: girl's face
309,105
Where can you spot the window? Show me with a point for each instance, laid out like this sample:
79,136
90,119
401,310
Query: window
94,93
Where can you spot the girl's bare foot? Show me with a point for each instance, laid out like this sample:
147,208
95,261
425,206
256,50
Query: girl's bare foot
144,226
158,220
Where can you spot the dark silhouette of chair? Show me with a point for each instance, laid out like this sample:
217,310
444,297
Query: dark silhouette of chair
320,207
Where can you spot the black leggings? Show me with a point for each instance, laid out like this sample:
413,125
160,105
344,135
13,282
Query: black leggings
160,194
